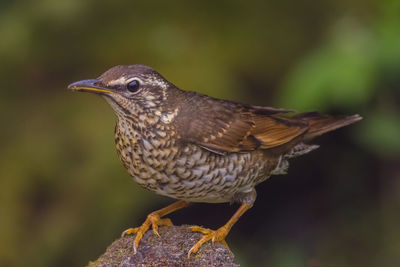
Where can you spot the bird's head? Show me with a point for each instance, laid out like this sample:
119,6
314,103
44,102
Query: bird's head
131,90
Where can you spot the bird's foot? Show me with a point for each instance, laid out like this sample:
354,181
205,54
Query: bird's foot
213,235
154,220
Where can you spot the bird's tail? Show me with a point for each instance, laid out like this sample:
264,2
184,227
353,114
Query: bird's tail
320,124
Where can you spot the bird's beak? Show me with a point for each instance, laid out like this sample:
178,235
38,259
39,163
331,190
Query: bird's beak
89,86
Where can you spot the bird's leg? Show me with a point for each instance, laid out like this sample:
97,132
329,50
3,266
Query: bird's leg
247,199
219,234
154,219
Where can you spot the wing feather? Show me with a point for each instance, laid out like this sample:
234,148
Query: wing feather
233,127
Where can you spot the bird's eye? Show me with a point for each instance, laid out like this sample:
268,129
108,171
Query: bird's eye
133,86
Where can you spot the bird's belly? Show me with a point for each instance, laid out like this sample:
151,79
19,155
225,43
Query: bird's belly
194,174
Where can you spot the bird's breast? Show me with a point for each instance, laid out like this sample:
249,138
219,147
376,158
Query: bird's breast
164,165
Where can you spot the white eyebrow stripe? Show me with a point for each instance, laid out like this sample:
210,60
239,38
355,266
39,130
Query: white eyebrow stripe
120,80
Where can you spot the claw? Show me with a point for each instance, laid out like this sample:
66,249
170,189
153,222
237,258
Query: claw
130,231
219,234
213,235
154,220
160,222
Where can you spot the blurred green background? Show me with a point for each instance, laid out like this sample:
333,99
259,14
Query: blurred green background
64,195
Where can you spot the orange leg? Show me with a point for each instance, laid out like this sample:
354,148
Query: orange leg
154,219
219,234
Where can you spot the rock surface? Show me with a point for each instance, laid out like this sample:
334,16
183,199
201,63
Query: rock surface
168,250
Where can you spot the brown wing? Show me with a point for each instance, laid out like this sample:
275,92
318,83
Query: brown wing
224,127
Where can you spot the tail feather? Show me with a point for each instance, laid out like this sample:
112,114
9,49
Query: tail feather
320,124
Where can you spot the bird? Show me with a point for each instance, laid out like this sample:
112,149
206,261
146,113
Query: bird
193,147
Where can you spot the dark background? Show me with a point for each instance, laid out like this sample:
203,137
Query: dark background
64,195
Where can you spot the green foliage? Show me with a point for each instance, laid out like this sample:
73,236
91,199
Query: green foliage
340,74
